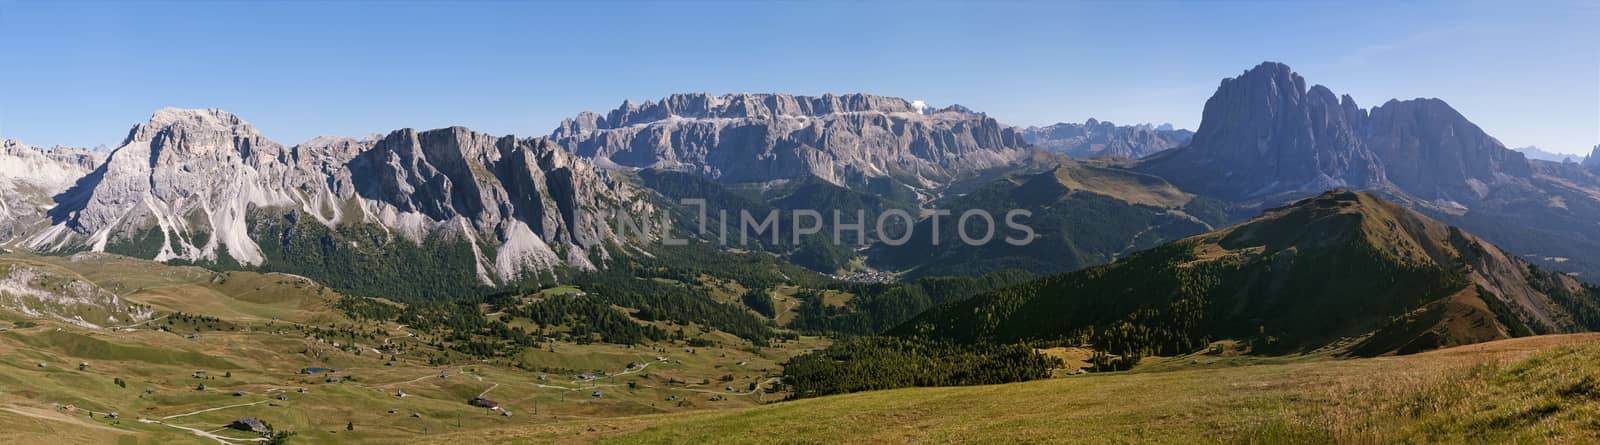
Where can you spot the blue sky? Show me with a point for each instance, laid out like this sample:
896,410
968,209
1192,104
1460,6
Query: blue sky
83,73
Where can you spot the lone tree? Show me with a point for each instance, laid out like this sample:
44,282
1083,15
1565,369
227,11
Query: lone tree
350,426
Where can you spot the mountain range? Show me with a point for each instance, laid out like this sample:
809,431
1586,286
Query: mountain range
1095,138
845,140
1536,153
204,187
30,177
1266,138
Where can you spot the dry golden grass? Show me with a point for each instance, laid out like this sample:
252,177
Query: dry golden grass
1482,393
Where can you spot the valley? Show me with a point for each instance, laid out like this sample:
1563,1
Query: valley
202,350
793,266
274,347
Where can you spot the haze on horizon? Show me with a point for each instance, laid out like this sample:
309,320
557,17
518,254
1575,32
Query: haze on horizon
81,74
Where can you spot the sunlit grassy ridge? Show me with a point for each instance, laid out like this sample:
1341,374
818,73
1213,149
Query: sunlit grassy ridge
1537,389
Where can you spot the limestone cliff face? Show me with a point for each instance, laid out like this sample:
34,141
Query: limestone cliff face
1593,160
197,180
1430,150
30,177
1265,132
764,137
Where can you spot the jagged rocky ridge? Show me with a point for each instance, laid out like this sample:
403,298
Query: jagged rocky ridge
195,184
1265,133
1536,154
1266,138
30,177
844,140
1096,138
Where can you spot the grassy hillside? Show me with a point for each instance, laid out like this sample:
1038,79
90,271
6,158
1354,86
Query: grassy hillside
248,336
1327,271
1532,390
1082,216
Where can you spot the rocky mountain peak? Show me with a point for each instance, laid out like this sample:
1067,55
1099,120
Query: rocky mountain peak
1096,138
1593,160
1272,134
744,137
183,133
745,106
1431,150
204,185
31,176
1265,133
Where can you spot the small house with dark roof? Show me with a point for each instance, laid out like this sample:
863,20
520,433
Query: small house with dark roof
484,403
250,424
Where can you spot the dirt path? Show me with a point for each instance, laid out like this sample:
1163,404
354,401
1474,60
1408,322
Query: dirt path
415,380
220,408
486,391
118,328
210,434
733,393
206,434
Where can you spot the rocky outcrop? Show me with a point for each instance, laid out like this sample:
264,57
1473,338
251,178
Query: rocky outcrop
37,290
30,177
1265,133
1534,153
190,184
183,173
1263,142
1095,138
1593,160
763,137
1430,150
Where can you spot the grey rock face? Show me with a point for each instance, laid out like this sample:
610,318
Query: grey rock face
764,137
194,177
1593,160
30,177
1430,150
1266,133
1095,138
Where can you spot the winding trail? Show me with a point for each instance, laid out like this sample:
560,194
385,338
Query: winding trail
174,416
407,382
206,434
211,434
486,391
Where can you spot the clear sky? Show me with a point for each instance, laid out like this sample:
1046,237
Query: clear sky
82,73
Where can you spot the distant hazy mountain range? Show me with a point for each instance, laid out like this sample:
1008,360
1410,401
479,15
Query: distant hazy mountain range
1533,152
453,205
1095,138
